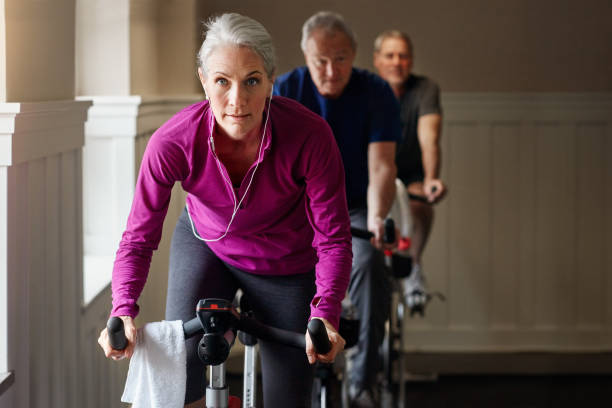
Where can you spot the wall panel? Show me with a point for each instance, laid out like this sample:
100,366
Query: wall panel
43,308
521,245
505,222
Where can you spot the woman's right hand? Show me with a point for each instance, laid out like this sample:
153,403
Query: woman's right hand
130,333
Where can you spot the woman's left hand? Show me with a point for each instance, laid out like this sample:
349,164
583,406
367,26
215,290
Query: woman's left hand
337,345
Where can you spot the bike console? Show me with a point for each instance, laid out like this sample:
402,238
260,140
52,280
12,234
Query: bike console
218,319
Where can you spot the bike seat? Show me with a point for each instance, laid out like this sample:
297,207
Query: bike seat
402,266
349,330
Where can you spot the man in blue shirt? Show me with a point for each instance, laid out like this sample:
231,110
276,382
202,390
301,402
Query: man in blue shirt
364,115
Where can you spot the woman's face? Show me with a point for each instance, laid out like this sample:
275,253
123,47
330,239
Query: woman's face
237,87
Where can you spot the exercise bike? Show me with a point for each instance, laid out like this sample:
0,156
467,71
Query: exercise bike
218,322
402,304
329,379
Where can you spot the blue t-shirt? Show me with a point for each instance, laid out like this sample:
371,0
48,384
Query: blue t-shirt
366,112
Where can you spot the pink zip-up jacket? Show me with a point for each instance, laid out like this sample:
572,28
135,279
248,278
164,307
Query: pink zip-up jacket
294,217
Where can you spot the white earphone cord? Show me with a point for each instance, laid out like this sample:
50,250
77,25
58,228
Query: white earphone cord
236,204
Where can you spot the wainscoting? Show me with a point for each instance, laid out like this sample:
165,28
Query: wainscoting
522,245
117,131
40,145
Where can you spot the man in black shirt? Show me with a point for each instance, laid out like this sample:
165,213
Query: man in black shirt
418,153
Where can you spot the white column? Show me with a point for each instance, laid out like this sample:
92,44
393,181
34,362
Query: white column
116,131
40,248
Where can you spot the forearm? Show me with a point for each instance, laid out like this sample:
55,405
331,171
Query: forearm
429,133
129,276
431,156
381,191
332,278
328,215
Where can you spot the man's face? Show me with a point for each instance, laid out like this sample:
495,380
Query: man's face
394,61
329,57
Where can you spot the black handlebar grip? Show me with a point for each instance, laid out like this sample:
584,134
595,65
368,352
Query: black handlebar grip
318,335
361,233
389,236
116,334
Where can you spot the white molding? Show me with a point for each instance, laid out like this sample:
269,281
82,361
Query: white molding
130,116
36,129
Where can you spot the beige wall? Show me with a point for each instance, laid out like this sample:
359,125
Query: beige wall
2,53
163,44
178,42
137,47
39,50
468,46
102,47
143,47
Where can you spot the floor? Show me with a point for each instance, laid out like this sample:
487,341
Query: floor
502,391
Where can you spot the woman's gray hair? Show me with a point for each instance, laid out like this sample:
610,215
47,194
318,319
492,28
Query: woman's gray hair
238,30
328,21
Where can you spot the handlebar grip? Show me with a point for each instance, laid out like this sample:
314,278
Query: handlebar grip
361,233
389,236
116,334
318,334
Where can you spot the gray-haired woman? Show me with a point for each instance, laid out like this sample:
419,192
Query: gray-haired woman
265,211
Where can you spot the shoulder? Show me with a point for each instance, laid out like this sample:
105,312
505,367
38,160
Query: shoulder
372,86
184,119
296,127
424,83
292,78
369,79
174,142
289,115
183,126
293,75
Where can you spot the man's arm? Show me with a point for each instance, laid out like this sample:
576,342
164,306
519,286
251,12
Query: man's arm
429,131
381,187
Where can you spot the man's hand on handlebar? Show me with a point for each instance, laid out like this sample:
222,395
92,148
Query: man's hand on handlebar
434,190
337,345
376,225
130,334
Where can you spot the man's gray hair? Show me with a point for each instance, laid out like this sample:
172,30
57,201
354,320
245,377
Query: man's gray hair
328,21
238,30
392,34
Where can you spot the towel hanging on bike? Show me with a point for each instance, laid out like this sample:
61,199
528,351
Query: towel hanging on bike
157,375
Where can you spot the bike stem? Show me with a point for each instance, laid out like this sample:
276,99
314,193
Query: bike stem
217,391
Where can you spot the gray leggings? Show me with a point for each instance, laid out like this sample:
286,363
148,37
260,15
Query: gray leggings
280,301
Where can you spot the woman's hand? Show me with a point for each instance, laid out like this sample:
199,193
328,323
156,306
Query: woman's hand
130,333
337,345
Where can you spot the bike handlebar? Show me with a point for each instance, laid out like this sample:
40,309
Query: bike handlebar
116,334
389,234
249,325
318,335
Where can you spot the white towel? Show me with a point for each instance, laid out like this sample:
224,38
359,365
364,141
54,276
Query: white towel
157,375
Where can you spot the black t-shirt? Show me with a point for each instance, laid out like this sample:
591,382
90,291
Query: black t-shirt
421,97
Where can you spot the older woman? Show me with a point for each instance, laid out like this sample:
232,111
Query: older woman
265,211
